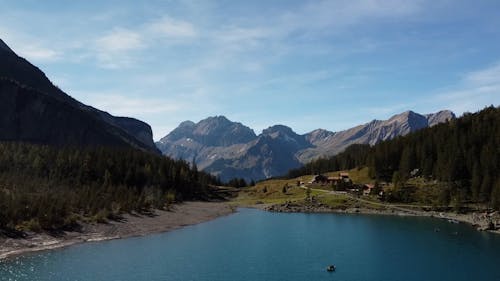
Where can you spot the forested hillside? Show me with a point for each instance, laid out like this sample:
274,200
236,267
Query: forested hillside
462,154
43,187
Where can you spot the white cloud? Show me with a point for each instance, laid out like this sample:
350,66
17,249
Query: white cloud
118,48
172,28
239,34
122,105
33,49
477,89
38,53
335,16
120,40
115,49
488,76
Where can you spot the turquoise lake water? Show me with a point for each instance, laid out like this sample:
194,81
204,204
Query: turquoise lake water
258,245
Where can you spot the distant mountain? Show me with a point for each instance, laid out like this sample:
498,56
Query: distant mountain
328,143
213,131
37,111
229,149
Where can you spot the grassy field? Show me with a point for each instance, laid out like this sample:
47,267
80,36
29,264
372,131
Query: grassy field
357,175
272,191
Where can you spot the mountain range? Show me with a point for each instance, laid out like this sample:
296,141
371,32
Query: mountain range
230,149
34,110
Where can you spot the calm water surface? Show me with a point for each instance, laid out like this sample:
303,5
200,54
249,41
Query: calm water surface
257,245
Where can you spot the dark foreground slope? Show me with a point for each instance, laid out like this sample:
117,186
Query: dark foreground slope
33,81
28,115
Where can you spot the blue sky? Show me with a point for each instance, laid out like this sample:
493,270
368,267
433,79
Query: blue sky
305,64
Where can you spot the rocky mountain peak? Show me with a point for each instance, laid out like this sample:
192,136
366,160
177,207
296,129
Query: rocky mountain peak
277,130
407,121
404,116
212,125
187,124
439,117
212,131
318,135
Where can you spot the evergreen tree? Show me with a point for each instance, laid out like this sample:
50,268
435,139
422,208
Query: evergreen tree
463,154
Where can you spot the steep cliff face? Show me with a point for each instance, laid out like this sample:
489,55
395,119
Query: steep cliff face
229,149
18,69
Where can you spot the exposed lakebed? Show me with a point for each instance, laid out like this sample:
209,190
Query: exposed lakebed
257,245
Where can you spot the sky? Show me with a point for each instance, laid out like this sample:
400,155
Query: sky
304,64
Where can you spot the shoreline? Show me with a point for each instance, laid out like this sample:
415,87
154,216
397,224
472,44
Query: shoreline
477,220
191,213
181,215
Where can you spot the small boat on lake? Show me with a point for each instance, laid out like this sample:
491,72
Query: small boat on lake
330,268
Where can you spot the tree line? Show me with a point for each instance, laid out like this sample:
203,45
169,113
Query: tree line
44,187
462,154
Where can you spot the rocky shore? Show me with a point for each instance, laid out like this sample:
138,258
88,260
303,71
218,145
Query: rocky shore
482,221
184,214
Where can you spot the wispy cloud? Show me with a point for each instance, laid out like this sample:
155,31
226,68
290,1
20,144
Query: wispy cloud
176,60
120,40
480,88
28,47
335,16
124,105
38,53
235,34
171,28
180,107
119,47
487,76
112,50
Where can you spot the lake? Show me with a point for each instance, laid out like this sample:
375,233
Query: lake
257,245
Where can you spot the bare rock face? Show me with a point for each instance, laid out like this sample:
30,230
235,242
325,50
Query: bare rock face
26,75
207,141
230,149
369,133
439,117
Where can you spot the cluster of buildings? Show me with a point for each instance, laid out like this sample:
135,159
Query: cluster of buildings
343,182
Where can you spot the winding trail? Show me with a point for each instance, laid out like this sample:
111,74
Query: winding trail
399,207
